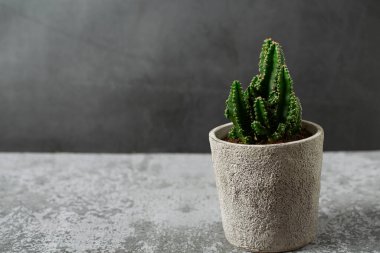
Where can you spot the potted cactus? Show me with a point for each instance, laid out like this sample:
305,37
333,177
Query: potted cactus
267,162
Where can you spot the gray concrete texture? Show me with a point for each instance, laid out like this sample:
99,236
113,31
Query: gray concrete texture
162,203
268,194
152,76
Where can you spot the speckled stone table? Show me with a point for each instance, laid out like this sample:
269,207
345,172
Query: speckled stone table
162,203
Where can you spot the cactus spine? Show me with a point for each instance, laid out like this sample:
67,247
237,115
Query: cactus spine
268,110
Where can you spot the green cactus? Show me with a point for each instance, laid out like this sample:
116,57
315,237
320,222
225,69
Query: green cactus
268,110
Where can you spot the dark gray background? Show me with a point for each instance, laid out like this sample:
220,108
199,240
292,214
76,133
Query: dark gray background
152,76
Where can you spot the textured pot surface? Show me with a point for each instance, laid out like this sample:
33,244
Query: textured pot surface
268,193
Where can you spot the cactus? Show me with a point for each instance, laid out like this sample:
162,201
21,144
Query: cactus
268,110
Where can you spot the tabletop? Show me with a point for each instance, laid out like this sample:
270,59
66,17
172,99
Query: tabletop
162,203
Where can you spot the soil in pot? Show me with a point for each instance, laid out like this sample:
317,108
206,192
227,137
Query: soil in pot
302,135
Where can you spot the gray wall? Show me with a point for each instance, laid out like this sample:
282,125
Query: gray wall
152,76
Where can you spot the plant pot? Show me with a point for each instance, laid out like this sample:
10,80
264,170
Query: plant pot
268,193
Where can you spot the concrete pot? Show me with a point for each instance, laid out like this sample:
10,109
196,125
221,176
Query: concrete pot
268,193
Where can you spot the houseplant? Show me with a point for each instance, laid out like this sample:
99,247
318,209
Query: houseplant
267,162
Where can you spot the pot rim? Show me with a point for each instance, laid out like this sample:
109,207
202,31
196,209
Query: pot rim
318,133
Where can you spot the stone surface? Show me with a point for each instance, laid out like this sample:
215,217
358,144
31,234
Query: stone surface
268,194
162,203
